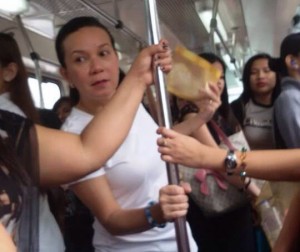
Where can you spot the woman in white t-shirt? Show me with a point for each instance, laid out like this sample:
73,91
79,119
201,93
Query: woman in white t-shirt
123,195
32,156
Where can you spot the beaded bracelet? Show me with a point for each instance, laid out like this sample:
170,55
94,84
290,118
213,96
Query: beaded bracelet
243,173
149,217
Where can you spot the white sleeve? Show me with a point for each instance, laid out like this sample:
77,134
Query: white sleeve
92,175
95,174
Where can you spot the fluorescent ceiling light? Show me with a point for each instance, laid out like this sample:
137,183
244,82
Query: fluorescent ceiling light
13,6
205,17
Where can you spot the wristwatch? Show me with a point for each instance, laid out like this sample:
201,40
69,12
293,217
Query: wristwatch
230,162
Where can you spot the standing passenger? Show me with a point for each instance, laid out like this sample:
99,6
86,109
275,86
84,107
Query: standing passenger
231,231
287,105
32,156
254,108
123,195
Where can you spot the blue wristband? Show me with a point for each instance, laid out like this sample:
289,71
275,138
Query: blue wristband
149,217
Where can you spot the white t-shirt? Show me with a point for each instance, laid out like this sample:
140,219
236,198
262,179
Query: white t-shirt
135,173
50,237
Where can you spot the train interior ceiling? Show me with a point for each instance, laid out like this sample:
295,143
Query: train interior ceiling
244,28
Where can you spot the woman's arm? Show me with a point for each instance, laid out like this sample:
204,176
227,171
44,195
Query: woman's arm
65,157
289,235
192,122
97,196
203,135
6,243
178,148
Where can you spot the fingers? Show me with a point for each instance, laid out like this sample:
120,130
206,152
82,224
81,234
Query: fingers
167,133
163,58
186,186
173,201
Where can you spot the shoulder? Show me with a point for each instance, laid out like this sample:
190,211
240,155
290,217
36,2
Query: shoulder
76,121
7,105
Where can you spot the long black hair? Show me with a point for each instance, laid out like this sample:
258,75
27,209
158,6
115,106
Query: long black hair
18,87
247,93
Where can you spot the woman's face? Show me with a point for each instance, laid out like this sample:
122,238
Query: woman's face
64,110
262,79
221,81
92,65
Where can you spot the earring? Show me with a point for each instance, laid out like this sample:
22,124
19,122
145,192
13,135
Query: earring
294,64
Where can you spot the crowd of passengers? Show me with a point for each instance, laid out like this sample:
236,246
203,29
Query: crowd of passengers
90,174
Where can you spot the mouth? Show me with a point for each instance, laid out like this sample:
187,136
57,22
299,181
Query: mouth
99,83
261,84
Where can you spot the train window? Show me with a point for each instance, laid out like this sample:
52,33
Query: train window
50,92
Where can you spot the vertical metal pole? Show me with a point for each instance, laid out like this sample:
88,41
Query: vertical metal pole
164,117
213,25
34,56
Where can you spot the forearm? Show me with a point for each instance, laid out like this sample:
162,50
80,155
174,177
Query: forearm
290,232
203,135
189,126
269,165
123,222
6,243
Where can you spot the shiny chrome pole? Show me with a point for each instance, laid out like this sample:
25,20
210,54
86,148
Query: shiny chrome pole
164,116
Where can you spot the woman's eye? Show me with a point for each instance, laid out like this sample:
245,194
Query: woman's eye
104,53
80,59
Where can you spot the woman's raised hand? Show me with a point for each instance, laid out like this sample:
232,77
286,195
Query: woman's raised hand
209,101
152,56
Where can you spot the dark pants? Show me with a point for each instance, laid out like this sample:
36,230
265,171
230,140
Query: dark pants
230,232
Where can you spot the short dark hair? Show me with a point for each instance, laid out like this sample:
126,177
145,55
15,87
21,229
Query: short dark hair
60,101
247,92
289,45
72,26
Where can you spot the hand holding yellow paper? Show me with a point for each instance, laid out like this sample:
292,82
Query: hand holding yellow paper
190,73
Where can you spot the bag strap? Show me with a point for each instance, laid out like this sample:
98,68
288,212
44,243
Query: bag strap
222,135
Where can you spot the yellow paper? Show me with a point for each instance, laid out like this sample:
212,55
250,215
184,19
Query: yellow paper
190,73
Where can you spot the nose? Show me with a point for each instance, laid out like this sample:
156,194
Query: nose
96,65
260,74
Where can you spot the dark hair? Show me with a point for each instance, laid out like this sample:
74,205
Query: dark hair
60,101
289,45
72,26
247,92
18,88
212,58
